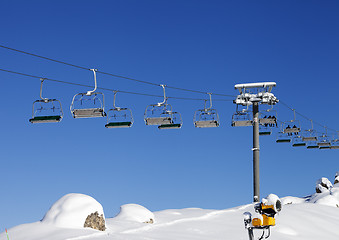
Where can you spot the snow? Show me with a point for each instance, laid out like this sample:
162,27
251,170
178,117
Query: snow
329,198
271,199
311,218
71,211
255,85
135,213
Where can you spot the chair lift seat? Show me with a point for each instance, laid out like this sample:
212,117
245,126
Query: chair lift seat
291,130
45,119
267,121
324,147
118,125
169,126
335,147
158,120
283,140
242,123
324,144
309,138
265,133
88,113
301,144
206,124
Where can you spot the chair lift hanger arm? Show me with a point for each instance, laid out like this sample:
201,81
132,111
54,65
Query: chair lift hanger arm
163,102
95,83
44,99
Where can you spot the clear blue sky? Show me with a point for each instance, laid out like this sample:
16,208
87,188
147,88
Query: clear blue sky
203,45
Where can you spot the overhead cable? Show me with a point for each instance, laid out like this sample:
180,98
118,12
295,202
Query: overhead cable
110,74
106,89
307,118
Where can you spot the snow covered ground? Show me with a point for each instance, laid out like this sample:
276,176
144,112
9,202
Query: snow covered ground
311,218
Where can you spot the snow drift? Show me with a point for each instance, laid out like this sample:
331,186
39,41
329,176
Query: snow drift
135,213
71,211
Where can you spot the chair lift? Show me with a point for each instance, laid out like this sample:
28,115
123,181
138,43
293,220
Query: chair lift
310,137
267,120
324,142
46,110
268,117
290,130
294,132
207,117
310,134
335,142
90,104
118,117
161,114
241,118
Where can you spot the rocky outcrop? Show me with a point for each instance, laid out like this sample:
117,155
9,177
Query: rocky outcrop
323,185
336,179
95,221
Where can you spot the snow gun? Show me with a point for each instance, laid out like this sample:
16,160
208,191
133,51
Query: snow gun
267,209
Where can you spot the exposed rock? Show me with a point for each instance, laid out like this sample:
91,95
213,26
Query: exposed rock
95,221
336,179
151,221
323,185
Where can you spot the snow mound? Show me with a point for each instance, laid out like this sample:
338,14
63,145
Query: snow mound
135,213
71,211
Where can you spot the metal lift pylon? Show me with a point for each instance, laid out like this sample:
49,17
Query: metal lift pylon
254,94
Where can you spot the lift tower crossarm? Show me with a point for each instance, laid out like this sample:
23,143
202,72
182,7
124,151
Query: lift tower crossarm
242,86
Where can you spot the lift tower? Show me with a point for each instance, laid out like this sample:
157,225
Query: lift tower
254,94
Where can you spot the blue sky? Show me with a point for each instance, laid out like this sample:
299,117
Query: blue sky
202,45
